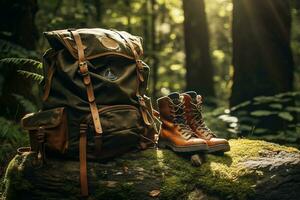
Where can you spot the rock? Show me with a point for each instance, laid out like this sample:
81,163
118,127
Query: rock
253,169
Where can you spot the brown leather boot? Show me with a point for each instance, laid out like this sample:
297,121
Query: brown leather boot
175,132
193,114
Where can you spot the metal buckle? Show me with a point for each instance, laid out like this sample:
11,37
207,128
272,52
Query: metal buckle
83,69
82,63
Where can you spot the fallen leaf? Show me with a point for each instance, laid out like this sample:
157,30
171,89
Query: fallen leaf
125,170
111,184
154,193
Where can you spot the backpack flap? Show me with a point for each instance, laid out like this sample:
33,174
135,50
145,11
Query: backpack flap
97,42
47,127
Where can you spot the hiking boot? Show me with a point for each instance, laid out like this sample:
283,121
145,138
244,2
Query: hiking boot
175,133
193,114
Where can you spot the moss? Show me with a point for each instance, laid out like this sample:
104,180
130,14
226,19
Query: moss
14,180
173,188
173,175
124,191
222,175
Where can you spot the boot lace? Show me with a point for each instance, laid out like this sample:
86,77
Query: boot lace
199,121
179,119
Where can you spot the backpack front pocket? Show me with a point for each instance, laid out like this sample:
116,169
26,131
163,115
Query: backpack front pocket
122,129
47,128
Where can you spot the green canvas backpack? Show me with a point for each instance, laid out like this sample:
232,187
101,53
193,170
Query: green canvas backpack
94,102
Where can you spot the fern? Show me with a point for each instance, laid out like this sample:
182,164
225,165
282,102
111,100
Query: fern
21,62
34,76
28,105
8,49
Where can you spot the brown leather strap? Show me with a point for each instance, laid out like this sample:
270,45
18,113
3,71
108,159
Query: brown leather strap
40,138
140,78
48,80
83,68
82,160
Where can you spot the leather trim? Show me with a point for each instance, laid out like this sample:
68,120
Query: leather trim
64,40
32,121
82,160
47,87
87,81
139,79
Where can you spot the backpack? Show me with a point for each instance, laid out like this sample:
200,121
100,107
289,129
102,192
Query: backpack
94,102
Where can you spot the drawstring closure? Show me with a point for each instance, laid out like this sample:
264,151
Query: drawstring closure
197,118
179,119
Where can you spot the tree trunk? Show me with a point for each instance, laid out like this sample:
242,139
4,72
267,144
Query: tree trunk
17,22
199,75
262,57
154,49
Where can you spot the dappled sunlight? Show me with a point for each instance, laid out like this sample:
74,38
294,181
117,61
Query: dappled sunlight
160,158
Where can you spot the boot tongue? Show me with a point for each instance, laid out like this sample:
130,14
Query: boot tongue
192,94
175,96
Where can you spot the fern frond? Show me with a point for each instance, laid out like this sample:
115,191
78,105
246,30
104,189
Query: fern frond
27,104
20,62
34,76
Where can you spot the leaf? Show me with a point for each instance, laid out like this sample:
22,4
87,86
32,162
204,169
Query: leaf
276,105
34,76
111,184
21,62
259,131
246,103
291,94
292,109
246,127
261,113
264,99
154,193
286,116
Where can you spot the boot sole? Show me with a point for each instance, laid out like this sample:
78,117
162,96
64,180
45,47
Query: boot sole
166,144
219,148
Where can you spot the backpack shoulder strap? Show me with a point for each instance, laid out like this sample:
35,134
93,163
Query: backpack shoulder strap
83,68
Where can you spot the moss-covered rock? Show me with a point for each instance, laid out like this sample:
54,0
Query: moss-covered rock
253,169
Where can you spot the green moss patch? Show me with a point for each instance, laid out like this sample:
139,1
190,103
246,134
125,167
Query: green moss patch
222,175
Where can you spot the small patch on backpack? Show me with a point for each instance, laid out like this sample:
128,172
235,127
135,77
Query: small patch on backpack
109,43
109,75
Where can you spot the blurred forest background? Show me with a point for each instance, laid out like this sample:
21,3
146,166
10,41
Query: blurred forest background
243,56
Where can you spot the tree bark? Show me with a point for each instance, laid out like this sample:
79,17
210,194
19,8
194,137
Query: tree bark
154,49
199,75
262,56
17,22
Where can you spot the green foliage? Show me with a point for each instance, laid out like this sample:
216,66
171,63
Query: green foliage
273,118
11,137
260,113
20,62
24,63
27,105
8,49
34,76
